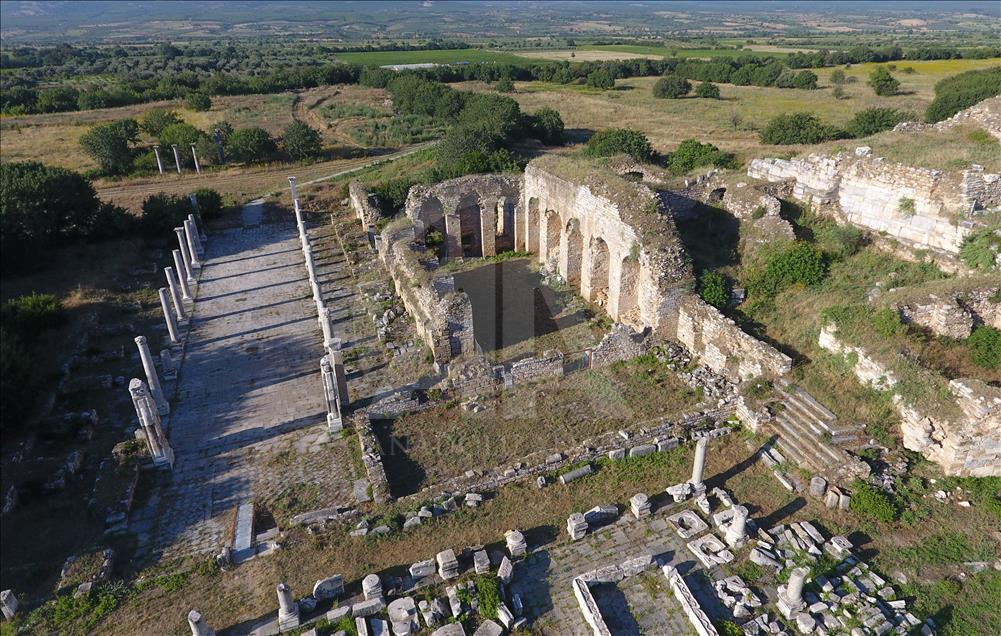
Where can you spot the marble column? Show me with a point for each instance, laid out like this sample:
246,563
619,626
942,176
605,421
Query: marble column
182,241
149,420
736,532
162,405
334,421
288,608
698,467
159,160
168,316
293,186
325,325
175,293
337,363
192,240
196,235
194,156
182,274
196,218
791,598
177,158
197,624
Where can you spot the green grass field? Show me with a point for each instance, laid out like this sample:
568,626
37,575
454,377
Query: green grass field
664,51
456,56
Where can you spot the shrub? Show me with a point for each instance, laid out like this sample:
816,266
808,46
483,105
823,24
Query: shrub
797,264
392,194
798,128
691,154
181,135
873,120
30,315
980,248
870,503
614,141
301,141
110,145
198,102
887,323
838,241
714,289
985,347
707,90
209,203
488,595
906,206
161,213
155,120
600,78
504,85
251,144
671,87
955,93
547,126
883,84
837,77
805,80
729,628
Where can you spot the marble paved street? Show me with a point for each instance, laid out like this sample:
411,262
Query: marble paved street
248,412
642,604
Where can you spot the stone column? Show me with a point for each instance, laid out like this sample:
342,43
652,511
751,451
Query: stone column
196,235
334,422
325,326
218,144
151,378
294,187
182,274
8,604
791,598
167,364
698,467
149,419
191,238
175,293
736,532
196,218
330,320
159,160
194,155
177,158
168,316
337,362
288,608
197,624
185,254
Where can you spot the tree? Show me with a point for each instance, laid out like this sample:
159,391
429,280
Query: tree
671,87
505,85
614,141
209,203
691,154
198,101
251,144
301,141
797,128
883,84
714,289
837,77
873,120
600,78
806,80
161,213
110,145
707,90
548,126
957,92
181,135
155,120
57,100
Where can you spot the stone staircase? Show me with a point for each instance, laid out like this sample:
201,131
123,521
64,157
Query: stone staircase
811,436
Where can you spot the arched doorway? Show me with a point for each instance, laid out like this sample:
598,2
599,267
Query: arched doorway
598,262
433,217
470,228
574,253
629,291
530,232
552,229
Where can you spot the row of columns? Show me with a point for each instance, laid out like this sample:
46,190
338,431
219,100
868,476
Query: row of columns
177,158
149,398
332,376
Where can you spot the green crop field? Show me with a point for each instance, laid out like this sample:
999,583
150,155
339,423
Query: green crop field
665,51
455,56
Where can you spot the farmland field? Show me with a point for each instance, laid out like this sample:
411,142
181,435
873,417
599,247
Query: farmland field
454,56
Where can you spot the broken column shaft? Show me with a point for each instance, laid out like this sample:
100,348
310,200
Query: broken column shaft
699,465
175,293
151,378
182,242
168,316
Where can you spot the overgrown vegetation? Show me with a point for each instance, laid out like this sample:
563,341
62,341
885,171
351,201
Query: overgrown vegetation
980,249
955,93
871,503
691,154
614,141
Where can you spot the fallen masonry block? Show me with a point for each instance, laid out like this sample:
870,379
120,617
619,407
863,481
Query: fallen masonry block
642,450
327,588
422,569
575,474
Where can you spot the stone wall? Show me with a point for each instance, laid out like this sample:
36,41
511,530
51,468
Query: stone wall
361,202
548,365
986,114
968,444
619,344
443,316
722,346
923,208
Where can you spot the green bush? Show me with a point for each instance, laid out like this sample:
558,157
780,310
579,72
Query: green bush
301,141
504,85
985,347
887,323
955,93
209,203
488,595
728,628
110,145
181,135
155,120
882,83
838,241
797,264
199,102
707,90
30,315
691,154
251,144
161,213
714,288
871,503
671,87
873,120
798,128
980,248
392,193
600,78
614,141
838,77
547,126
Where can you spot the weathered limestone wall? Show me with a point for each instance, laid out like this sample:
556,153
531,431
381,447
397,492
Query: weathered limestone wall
443,317
475,214
723,346
366,211
966,445
923,208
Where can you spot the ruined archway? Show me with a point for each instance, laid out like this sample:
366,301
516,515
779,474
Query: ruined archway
597,272
629,291
504,234
552,236
433,218
574,253
470,228
531,241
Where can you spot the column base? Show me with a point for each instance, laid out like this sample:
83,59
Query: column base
288,621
